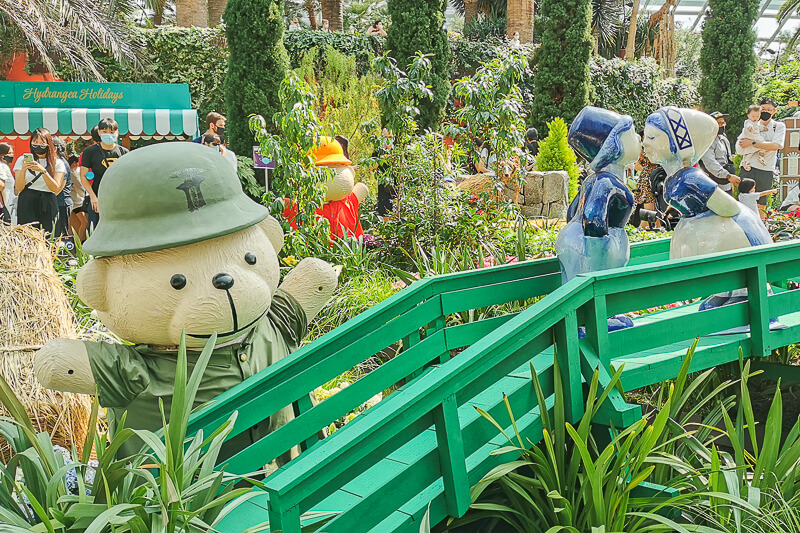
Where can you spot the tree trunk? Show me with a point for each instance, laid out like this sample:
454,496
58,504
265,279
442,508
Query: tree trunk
312,14
158,15
470,10
519,17
191,13
630,49
216,8
333,10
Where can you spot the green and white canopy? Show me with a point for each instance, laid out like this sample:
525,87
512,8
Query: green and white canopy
78,122
160,110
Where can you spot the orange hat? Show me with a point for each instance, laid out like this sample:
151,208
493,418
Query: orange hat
329,152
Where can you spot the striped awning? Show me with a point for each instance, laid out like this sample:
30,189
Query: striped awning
79,121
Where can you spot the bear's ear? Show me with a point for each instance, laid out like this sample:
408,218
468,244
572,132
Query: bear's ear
274,232
91,284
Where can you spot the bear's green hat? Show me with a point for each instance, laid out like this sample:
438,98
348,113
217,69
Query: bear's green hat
167,195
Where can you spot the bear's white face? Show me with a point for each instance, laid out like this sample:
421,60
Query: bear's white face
223,285
341,185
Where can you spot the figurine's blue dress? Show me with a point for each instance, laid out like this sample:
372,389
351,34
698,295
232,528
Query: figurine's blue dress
701,231
594,237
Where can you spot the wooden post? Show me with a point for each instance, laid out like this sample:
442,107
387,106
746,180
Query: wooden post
759,311
126,141
451,457
569,362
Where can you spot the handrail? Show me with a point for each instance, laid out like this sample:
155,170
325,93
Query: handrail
249,392
347,453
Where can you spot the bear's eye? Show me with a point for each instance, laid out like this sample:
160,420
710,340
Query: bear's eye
250,258
178,281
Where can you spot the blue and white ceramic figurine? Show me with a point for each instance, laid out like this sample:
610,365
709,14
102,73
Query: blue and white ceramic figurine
594,237
711,220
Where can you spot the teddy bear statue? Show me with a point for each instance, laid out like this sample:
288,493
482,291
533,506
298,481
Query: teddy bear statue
180,248
343,195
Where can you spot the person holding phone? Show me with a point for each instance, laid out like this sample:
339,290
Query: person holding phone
38,178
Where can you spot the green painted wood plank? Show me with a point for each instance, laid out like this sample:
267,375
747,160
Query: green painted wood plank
268,395
466,334
783,337
569,360
451,457
499,293
324,413
668,329
784,303
615,411
759,310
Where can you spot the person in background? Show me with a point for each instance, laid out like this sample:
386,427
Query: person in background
96,159
773,139
748,195
717,161
644,193
294,25
79,218
64,198
214,142
38,178
377,29
325,27
215,125
7,197
486,159
532,141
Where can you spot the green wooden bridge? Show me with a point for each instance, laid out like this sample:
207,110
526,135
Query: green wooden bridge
425,444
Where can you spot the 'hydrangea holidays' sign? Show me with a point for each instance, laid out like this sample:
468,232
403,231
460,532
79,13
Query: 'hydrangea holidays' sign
95,95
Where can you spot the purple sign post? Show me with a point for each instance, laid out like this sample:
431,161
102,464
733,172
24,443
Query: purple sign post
260,161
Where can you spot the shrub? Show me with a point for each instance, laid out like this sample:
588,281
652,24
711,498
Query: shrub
635,88
727,59
555,154
256,68
562,81
362,47
418,26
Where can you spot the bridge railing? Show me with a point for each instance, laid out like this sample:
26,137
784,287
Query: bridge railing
416,315
433,399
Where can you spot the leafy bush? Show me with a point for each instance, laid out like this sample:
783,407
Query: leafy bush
782,84
555,154
418,27
256,67
563,85
295,176
195,56
727,59
362,47
482,28
635,88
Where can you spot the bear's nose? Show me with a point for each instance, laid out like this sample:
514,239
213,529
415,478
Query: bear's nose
222,281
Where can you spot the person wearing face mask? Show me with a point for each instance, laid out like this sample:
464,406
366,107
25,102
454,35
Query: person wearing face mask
7,196
773,138
213,141
216,126
38,178
717,161
96,159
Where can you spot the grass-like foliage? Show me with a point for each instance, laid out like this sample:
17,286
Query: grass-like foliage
170,486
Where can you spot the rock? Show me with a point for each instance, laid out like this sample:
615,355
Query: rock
556,185
531,211
533,188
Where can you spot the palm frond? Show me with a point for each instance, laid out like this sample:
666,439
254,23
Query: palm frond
606,19
67,30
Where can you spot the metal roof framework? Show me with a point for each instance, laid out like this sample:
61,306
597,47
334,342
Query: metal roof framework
690,14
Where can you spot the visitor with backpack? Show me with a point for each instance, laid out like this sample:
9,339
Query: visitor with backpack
64,198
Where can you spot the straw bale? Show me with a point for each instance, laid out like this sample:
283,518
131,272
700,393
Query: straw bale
34,310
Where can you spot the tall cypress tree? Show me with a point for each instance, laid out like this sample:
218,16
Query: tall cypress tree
257,65
727,60
562,82
418,26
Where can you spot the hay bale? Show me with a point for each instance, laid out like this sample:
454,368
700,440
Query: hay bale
34,310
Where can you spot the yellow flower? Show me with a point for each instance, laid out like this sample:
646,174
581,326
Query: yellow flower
290,260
